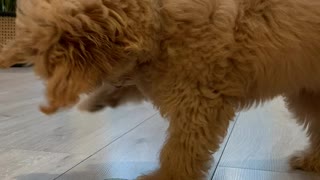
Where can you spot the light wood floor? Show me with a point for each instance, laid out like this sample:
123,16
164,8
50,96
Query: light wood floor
124,142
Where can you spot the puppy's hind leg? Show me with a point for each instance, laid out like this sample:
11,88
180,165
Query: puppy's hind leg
306,108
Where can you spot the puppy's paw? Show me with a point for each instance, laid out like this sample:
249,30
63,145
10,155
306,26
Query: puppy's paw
99,101
306,162
92,107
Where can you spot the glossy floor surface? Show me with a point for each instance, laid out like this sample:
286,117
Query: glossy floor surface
125,142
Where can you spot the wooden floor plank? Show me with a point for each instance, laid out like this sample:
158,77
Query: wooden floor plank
134,153
34,165
73,132
264,139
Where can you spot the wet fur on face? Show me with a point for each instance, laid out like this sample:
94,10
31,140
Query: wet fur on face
197,61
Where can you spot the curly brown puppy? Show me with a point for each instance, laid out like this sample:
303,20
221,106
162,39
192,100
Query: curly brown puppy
197,61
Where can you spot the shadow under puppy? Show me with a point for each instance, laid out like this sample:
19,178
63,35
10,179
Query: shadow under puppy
197,61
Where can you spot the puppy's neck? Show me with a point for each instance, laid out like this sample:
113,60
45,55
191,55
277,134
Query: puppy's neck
141,33
143,24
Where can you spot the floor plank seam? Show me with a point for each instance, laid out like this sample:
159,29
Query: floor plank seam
224,148
130,130
30,150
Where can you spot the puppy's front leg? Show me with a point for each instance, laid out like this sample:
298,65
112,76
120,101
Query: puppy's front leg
110,96
198,122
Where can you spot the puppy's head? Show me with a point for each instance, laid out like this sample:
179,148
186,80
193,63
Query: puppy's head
74,46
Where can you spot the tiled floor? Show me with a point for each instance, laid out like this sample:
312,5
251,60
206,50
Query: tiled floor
124,142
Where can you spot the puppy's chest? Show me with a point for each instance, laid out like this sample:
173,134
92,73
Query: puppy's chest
150,77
